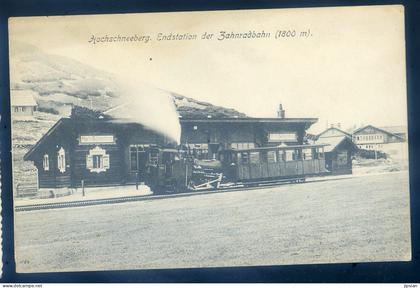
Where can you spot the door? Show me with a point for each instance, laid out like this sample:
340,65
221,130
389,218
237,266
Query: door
138,163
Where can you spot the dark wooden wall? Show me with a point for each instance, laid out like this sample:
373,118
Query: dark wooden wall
53,177
227,133
331,160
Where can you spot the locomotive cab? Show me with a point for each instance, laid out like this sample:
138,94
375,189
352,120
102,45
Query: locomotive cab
169,172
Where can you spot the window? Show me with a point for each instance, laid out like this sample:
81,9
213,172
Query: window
243,158
289,155
133,159
61,160
137,152
271,157
296,154
315,153
154,157
242,145
282,155
46,163
263,156
254,157
199,151
307,154
97,160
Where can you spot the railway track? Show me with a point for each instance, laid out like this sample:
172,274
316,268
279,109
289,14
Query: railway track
82,203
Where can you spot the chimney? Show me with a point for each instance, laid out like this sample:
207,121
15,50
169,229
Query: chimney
281,113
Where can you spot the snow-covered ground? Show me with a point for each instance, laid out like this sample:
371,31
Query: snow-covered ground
351,220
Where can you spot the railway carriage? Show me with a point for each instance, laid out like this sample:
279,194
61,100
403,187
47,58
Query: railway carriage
90,149
245,167
271,163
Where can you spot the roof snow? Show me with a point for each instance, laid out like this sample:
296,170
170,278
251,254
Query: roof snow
23,98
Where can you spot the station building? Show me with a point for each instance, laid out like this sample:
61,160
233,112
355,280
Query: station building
376,139
102,152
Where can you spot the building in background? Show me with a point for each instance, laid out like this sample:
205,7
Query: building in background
400,131
372,138
339,150
333,132
23,104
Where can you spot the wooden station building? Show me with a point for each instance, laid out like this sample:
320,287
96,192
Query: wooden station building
207,137
103,152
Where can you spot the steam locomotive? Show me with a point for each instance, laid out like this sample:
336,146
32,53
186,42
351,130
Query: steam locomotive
178,170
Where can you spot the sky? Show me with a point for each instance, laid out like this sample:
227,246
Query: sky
350,70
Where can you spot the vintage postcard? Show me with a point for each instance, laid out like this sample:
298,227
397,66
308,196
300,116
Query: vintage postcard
209,139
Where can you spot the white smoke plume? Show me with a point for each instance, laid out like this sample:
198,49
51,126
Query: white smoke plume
150,106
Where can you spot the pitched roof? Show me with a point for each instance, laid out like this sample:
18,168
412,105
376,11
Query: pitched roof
41,141
334,142
333,128
22,98
395,129
373,127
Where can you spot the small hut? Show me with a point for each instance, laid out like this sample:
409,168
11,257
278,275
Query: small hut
338,154
23,104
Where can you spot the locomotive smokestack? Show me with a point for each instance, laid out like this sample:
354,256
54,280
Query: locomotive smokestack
281,113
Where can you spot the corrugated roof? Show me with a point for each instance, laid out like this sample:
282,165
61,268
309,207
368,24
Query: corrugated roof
22,98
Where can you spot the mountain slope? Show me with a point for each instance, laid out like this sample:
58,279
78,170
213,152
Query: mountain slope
61,83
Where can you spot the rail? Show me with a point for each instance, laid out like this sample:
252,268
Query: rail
252,186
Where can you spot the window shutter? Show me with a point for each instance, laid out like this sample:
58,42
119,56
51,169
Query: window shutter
89,162
105,161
